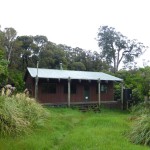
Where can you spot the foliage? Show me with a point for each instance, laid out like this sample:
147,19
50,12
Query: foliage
140,130
71,129
10,36
140,109
145,75
3,66
53,56
2,39
92,61
15,78
117,91
133,80
78,66
138,80
19,52
3,69
117,48
19,114
3,72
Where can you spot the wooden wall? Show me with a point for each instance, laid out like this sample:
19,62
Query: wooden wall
61,97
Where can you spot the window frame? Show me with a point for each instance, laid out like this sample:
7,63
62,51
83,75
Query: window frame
73,88
103,88
49,88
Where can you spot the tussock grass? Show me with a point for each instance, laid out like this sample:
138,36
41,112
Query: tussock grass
19,114
69,129
140,129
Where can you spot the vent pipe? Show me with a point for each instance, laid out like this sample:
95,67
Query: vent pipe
61,68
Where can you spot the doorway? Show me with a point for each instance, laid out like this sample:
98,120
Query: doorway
86,93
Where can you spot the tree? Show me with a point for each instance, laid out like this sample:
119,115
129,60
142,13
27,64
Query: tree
28,51
10,36
3,61
51,56
116,48
91,61
3,69
41,42
133,80
2,45
138,80
145,75
78,66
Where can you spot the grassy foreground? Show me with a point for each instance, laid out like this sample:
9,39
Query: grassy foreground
69,129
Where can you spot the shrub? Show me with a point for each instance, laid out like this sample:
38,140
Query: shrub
141,108
20,114
140,130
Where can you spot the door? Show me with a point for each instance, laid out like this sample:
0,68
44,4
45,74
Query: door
86,92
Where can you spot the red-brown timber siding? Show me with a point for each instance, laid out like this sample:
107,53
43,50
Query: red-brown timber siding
61,97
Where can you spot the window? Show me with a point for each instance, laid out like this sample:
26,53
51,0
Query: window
49,88
103,88
65,88
73,89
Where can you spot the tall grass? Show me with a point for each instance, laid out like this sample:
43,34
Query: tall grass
19,114
140,130
141,108
69,129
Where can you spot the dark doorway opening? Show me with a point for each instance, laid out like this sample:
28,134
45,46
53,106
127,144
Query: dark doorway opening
86,93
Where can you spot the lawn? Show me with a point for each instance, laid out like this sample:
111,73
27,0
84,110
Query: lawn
69,129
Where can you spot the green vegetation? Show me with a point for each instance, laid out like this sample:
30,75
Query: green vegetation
19,114
69,129
138,80
117,48
19,52
140,131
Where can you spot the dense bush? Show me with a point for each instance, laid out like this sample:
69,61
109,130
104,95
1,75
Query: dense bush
140,130
20,114
141,108
117,92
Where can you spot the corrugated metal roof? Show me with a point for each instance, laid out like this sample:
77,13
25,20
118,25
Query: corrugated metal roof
65,74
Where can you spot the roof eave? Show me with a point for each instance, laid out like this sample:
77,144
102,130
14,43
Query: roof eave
77,79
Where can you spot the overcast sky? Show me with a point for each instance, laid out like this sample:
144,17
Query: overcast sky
76,22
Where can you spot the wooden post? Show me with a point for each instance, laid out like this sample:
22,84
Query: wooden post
122,95
99,92
36,83
69,91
